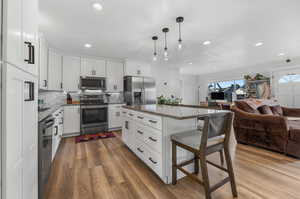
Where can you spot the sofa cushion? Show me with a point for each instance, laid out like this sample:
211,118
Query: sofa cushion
294,132
244,106
265,109
277,110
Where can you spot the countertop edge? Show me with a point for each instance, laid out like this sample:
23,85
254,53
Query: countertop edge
160,114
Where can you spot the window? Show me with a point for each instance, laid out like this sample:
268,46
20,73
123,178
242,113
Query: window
229,88
289,78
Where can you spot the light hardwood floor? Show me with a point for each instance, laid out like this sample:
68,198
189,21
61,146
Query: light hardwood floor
108,169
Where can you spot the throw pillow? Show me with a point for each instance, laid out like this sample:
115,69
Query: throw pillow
265,109
277,110
245,107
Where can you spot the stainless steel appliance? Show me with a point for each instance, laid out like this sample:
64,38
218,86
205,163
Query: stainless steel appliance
93,113
45,152
139,90
93,83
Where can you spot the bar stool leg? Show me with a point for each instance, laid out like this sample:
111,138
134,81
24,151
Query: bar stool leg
196,167
230,172
174,163
205,177
221,157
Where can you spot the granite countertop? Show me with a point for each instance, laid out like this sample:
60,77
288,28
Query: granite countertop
43,114
175,112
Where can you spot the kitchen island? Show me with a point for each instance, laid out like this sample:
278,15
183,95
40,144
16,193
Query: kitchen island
146,130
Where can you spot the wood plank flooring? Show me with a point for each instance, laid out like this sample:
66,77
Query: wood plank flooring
108,169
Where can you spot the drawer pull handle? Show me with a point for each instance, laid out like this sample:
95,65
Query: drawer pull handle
131,114
124,112
152,161
140,132
140,150
140,117
152,139
152,121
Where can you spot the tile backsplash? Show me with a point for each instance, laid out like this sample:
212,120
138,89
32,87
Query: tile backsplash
50,98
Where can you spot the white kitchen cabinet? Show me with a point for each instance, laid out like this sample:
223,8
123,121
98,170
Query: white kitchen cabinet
114,116
54,70
43,63
93,67
71,120
114,77
71,73
57,131
20,135
133,68
21,34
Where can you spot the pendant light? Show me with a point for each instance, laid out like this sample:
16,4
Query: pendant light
179,20
154,38
166,30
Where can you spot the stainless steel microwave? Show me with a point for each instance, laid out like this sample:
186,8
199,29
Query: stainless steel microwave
93,83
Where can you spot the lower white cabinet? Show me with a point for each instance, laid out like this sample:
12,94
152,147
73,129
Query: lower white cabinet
114,116
20,125
57,131
71,120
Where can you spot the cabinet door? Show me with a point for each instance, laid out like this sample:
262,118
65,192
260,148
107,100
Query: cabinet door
114,116
115,73
137,69
71,120
54,71
93,67
13,41
71,73
20,132
30,34
43,63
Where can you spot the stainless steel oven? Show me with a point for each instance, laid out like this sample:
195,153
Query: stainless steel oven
93,83
93,114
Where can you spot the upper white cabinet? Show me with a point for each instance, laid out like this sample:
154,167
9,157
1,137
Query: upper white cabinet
114,77
21,34
71,73
54,70
134,68
43,63
93,67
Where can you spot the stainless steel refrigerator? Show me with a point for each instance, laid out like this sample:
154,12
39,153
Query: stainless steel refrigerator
139,90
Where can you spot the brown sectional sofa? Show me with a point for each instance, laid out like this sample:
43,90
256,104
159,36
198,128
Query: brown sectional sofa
278,130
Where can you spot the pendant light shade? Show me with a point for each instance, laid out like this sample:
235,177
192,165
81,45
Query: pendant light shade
165,31
179,20
154,38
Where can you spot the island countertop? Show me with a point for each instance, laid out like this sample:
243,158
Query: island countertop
175,112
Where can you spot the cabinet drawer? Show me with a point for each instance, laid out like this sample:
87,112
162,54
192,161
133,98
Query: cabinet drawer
154,161
124,112
140,150
153,139
140,117
131,114
140,132
154,121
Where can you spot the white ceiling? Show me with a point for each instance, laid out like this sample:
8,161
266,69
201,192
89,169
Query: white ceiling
123,29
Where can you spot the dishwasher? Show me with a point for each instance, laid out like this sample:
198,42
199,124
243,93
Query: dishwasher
44,152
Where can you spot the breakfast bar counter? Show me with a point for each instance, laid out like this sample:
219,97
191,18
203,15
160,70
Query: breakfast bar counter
174,111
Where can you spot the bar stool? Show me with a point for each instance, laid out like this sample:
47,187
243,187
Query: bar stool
214,137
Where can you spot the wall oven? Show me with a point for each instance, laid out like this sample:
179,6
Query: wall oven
93,83
93,114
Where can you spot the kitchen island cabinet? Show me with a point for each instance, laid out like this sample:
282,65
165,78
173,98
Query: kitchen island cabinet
147,129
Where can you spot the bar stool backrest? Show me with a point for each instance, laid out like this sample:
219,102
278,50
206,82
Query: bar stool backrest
216,127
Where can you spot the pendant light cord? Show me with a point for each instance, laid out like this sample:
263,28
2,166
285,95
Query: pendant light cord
166,41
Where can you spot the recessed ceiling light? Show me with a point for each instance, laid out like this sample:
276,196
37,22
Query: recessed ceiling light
87,45
259,44
281,54
97,6
206,43
190,63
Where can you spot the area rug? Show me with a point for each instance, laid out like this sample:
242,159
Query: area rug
96,136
